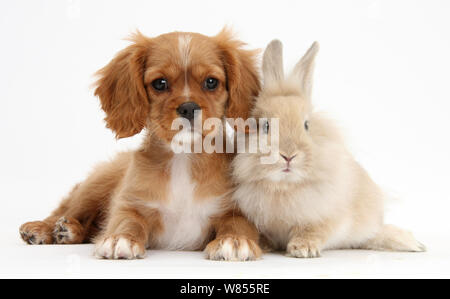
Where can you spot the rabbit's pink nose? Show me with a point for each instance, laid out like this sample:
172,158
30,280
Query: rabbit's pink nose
288,159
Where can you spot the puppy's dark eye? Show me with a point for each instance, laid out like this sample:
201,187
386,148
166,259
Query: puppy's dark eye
160,84
266,127
211,83
306,125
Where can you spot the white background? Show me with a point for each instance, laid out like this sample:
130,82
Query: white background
383,71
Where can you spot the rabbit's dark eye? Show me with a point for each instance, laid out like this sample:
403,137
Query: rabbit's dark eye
266,127
211,83
306,125
160,84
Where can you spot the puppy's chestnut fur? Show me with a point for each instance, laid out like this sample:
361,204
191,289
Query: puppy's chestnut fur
151,197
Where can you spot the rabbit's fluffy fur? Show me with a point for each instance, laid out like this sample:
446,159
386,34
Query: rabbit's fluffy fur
322,198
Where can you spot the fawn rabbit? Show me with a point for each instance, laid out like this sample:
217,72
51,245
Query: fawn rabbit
315,196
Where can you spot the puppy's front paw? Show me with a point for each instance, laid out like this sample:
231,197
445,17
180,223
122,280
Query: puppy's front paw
36,233
233,248
302,248
119,247
68,231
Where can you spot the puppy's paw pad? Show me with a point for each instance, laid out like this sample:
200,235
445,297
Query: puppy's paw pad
119,247
67,231
233,249
302,249
36,233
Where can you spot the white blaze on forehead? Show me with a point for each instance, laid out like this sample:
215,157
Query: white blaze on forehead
186,90
184,46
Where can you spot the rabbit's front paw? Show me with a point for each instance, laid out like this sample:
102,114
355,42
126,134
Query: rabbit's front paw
302,248
119,247
233,248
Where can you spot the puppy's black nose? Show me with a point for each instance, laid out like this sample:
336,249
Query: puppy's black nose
186,110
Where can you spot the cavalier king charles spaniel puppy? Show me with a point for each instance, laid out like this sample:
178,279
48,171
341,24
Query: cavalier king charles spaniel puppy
152,197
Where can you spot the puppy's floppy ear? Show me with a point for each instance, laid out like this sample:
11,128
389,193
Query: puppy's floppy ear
121,89
241,72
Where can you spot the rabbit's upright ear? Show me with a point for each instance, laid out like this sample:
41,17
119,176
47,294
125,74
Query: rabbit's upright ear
304,70
273,63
